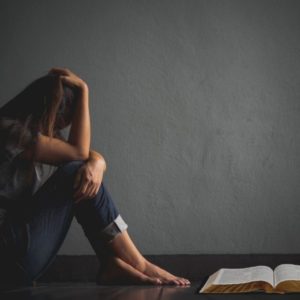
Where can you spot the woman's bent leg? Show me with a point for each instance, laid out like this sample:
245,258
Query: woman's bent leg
100,220
102,223
54,209
106,231
30,242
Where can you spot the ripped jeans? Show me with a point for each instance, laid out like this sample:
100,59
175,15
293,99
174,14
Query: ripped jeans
29,245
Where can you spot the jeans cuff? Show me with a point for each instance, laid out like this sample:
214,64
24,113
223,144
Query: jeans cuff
114,228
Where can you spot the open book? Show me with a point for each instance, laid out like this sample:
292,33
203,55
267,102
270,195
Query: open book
284,279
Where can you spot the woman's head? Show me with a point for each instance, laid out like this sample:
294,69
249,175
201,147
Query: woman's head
46,106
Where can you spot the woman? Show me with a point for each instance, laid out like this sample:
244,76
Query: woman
36,211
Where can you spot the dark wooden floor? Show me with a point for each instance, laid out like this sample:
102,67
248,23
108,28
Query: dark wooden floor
83,268
73,277
91,291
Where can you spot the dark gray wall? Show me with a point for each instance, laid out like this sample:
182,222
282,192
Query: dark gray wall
194,104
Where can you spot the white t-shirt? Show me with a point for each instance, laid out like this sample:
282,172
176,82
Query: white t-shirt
20,179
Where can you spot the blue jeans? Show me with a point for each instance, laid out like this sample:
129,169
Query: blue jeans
32,235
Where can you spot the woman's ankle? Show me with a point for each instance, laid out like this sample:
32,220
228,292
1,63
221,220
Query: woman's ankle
139,264
122,247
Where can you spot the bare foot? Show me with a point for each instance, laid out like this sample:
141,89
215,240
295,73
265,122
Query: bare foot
123,247
119,272
152,270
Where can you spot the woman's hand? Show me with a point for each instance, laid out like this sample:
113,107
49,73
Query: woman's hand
88,179
68,77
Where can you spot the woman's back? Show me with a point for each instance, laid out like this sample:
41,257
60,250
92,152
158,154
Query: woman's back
19,178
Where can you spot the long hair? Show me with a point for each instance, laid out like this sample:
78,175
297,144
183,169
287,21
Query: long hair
40,107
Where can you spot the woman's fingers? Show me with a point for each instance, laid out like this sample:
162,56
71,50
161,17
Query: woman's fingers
68,77
67,80
62,71
82,189
86,191
77,180
90,193
95,191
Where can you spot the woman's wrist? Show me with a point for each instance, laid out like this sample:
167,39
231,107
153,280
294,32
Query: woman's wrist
83,87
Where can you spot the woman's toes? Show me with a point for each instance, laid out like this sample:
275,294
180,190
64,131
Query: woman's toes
181,281
151,280
157,281
174,281
184,281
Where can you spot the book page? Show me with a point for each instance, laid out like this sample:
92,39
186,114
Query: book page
237,276
286,272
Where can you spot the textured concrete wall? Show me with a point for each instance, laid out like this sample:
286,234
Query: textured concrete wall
194,104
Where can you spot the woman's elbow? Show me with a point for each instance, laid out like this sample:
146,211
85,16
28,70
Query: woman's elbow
104,164
83,155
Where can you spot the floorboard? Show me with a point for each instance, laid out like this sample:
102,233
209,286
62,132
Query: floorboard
92,291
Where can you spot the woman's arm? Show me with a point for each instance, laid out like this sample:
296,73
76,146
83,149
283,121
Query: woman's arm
80,131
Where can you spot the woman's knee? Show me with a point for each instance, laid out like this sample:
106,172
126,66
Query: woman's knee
70,168
65,173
